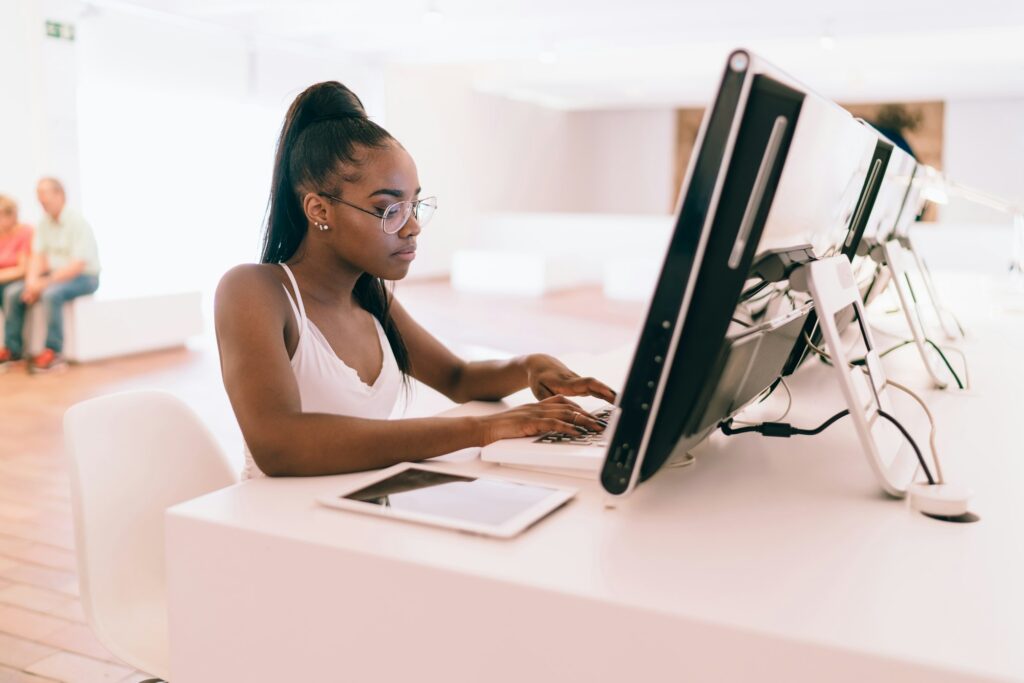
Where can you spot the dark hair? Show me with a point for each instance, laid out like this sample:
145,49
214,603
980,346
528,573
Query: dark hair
899,117
319,142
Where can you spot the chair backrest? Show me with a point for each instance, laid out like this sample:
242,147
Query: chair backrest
133,455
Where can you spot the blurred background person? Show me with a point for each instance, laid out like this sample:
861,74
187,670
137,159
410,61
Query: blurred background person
64,265
15,247
894,121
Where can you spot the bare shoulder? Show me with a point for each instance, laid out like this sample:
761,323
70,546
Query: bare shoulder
251,287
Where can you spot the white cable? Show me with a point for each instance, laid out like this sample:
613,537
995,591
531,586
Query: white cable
813,347
896,385
789,401
931,421
789,406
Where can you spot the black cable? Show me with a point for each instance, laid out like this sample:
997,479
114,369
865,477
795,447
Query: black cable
913,444
786,430
938,350
959,384
781,429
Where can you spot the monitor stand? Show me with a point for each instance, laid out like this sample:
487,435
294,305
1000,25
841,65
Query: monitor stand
833,289
896,261
950,325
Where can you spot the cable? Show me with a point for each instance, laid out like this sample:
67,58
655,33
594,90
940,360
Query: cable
906,434
963,359
789,400
913,444
782,429
769,392
860,361
814,347
905,342
931,422
959,384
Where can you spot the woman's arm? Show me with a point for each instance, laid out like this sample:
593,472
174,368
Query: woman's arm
15,272
436,366
251,314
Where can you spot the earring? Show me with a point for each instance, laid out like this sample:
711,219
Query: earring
322,226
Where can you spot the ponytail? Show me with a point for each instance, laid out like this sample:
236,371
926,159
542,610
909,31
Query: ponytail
323,129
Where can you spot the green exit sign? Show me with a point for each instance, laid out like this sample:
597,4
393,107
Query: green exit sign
60,30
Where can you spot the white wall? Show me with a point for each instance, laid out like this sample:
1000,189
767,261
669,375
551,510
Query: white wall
983,147
37,120
622,161
482,154
178,126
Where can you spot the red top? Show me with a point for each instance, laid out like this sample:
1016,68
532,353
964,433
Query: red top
14,245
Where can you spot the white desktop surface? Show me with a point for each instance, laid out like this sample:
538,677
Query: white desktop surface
769,559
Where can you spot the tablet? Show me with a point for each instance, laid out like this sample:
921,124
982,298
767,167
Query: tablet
484,505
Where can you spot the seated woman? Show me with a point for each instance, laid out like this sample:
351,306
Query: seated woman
15,248
314,348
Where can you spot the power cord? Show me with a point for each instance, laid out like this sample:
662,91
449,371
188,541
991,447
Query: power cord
781,429
920,402
785,430
931,423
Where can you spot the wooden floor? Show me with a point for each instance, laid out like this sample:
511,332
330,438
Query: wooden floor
43,634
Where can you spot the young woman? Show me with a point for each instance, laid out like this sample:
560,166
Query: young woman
314,349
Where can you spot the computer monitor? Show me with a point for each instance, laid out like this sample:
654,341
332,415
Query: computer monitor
899,206
914,204
778,171
872,194
892,196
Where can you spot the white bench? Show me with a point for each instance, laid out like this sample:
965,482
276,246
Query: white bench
96,327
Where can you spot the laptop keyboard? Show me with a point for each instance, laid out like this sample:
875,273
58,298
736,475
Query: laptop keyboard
587,438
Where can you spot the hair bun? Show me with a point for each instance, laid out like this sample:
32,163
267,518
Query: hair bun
327,101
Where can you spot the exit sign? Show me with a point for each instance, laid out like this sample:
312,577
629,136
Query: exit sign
60,30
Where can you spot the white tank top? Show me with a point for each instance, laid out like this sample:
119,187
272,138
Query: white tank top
327,384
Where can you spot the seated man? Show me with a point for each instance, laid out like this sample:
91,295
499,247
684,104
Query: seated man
15,247
64,265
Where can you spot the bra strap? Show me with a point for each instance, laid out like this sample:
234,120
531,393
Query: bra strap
301,315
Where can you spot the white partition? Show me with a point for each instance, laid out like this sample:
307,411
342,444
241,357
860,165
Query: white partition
535,253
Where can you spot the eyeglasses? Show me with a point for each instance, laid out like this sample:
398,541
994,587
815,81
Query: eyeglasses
396,215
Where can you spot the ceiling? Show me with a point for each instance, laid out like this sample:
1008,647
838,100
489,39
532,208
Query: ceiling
584,54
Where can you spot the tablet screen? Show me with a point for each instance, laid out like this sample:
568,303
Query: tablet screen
480,501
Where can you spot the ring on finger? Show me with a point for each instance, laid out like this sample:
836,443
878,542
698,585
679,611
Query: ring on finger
574,416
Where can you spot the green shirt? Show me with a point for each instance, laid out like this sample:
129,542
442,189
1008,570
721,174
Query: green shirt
67,239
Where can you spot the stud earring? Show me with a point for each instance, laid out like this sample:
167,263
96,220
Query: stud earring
322,226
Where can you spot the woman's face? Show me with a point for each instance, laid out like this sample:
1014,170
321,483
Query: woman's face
385,176
7,220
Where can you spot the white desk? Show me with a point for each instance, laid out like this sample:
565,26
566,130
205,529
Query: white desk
769,560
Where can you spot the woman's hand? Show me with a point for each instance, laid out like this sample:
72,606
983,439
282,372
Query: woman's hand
554,414
548,377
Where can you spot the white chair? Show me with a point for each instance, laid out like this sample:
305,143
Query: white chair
133,455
